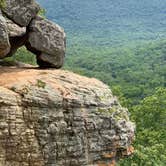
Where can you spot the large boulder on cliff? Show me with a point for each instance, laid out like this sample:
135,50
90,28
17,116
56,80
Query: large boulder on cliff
48,39
21,26
14,30
17,36
58,118
21,11
4,38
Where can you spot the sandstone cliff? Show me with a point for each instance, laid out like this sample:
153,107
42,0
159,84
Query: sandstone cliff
58,118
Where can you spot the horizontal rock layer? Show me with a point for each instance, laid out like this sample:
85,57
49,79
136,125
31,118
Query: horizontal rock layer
58,118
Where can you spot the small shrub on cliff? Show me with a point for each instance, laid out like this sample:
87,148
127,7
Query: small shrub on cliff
2,3
150,145
24,56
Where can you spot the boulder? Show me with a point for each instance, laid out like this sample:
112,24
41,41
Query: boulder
21,26
14,30
4,38
17,36
58,118
21,11
45,60
48,38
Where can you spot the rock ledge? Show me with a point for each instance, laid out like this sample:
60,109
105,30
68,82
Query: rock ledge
57,118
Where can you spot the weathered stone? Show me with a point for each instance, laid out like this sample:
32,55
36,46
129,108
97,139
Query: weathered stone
42,37
48,118
48,38
15,30
54,61
4,38
21,11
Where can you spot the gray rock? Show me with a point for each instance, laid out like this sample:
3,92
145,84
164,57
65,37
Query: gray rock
17,36
45,60
52,124
14,30
4,39
48,39
21,11
22,26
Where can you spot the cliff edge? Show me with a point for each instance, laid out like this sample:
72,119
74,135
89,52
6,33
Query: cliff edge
58,118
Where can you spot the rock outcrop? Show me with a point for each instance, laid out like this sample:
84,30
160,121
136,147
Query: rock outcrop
20,25
58,118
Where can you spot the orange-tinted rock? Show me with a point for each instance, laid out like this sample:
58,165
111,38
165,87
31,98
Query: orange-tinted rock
57,118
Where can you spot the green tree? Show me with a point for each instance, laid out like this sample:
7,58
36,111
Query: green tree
150,145
2,3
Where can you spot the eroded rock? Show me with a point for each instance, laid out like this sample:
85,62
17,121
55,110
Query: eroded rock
57,118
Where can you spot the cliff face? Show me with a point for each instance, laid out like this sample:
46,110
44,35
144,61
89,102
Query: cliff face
58,118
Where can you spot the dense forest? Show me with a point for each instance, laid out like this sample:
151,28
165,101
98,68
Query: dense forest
122,43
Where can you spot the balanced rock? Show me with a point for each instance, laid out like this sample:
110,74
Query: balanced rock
58,118
49,39
21,11
4,38
21,26
15,30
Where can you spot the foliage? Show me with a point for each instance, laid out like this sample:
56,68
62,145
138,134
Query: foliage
23,55
42,12
150,116
108,23
2,3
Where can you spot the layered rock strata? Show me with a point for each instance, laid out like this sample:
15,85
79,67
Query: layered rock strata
58,118
20,25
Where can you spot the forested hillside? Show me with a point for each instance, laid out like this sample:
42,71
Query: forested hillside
109,22
122,43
